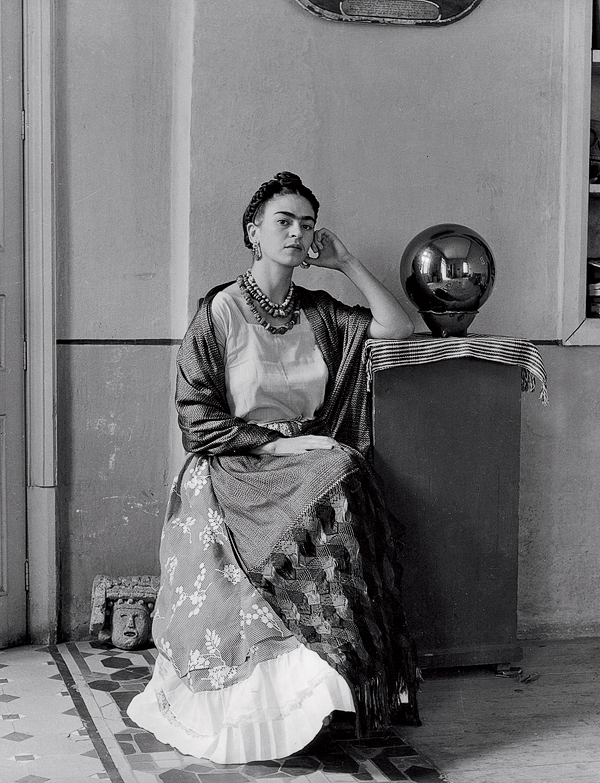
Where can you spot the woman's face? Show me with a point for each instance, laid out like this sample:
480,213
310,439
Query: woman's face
286,230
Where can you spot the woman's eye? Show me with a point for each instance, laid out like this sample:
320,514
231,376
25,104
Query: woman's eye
308,227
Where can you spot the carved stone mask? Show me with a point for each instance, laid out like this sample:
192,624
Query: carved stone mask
130,624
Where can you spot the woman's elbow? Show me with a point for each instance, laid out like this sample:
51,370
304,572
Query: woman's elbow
397,331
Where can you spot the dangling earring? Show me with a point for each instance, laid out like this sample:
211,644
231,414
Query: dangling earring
256,252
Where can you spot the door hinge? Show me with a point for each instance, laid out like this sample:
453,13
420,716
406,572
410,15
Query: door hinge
27,576
22,126
25,355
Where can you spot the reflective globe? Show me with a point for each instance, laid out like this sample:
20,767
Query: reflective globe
448,271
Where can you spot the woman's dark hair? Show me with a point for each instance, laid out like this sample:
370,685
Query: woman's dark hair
283,184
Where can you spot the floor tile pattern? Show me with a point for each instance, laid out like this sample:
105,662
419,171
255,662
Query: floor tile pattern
79,731
43,738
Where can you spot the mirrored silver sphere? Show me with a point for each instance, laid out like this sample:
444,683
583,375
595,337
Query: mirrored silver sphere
448,271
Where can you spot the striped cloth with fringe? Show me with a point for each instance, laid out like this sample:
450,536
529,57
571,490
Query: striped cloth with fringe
422,349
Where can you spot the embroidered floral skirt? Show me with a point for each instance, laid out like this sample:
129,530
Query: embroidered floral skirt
251,662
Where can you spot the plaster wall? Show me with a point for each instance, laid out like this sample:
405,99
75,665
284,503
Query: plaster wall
113,418
120,137
395,129
169,115
113,104
559,579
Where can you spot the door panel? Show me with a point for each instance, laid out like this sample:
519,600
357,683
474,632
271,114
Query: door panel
13,616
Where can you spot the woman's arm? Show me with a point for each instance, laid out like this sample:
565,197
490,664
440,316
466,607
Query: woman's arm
298,445
390,320
206,424
205,420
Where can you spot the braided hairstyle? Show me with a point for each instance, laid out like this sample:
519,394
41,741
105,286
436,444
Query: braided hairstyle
283,184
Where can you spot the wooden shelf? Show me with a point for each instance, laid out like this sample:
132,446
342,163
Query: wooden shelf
595,189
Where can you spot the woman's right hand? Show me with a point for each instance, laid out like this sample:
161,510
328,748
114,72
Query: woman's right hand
299,445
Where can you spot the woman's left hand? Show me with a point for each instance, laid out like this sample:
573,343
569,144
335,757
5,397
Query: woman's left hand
332,253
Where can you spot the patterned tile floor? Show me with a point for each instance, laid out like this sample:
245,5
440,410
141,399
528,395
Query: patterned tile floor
63,720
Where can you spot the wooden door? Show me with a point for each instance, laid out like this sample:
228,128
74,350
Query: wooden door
13,615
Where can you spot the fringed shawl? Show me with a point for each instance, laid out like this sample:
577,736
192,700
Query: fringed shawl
204,417
263,496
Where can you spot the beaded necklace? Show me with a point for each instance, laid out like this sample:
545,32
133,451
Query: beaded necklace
294,309
273,308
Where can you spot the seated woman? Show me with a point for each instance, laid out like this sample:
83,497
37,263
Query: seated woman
280,600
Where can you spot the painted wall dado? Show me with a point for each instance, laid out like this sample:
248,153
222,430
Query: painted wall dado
169,115
114,101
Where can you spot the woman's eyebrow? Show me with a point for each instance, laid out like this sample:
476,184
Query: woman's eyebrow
291,214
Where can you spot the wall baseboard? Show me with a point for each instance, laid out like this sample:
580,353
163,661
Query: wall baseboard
556,631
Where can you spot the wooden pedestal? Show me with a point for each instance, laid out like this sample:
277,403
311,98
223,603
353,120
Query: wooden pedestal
446,438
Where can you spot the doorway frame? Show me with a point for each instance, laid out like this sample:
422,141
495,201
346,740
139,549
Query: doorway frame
40,319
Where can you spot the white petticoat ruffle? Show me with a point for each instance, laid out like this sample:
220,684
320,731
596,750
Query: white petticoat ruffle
277,711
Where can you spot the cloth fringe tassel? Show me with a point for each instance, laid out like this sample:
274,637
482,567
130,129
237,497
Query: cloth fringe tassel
371,700
528,383
378,706
407,679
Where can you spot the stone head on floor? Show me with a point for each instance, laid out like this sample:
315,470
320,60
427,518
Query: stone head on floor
122,610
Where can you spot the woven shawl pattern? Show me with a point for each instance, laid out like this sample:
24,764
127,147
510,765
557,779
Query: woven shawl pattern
336,582
384,354
263,497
